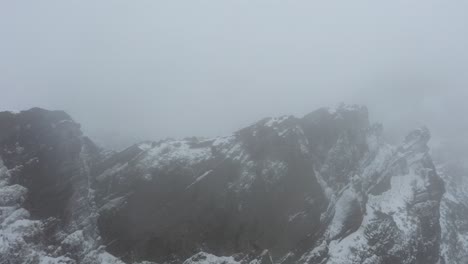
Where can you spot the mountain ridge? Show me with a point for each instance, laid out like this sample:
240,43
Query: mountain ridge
324,188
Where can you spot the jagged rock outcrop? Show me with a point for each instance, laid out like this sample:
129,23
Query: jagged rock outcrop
452,167
47,211
324,188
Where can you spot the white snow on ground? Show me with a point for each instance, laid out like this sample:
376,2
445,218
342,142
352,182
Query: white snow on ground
106,258
247,176
336,111
286,131
328,191
100,256
113,204
111,171
379,163
276,120
205,258
316,252
51,260
394,201
222,141
15,215
15,232
341,251
273,170
145,146
170,151
454,246
296,215
12,194
199,178
230,148
4,174
453,239
18,231
74,239
343,209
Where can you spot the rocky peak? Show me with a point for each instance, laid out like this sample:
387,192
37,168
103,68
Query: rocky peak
417,140
43,147
324,188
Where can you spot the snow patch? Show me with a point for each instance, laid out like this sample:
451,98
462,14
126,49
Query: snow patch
111,171
199,178
296,215
343,210
174,151
145,146
12,195
273,121
205,258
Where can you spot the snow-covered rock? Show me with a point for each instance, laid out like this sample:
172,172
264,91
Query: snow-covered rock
324,188
205,258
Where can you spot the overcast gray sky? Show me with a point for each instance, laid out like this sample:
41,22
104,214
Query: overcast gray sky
132,70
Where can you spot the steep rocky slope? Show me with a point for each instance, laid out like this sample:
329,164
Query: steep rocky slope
452,163
47,208
324,188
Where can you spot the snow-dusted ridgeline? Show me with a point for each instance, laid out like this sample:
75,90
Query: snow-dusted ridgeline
324,188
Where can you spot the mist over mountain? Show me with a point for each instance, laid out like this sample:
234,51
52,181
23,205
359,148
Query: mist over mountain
233,132
152,69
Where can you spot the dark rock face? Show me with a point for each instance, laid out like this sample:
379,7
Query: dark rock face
452,167
45,194
236,198
44,148
324,188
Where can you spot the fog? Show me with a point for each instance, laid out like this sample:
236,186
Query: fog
134,70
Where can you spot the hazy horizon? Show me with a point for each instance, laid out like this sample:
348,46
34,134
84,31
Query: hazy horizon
153,70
